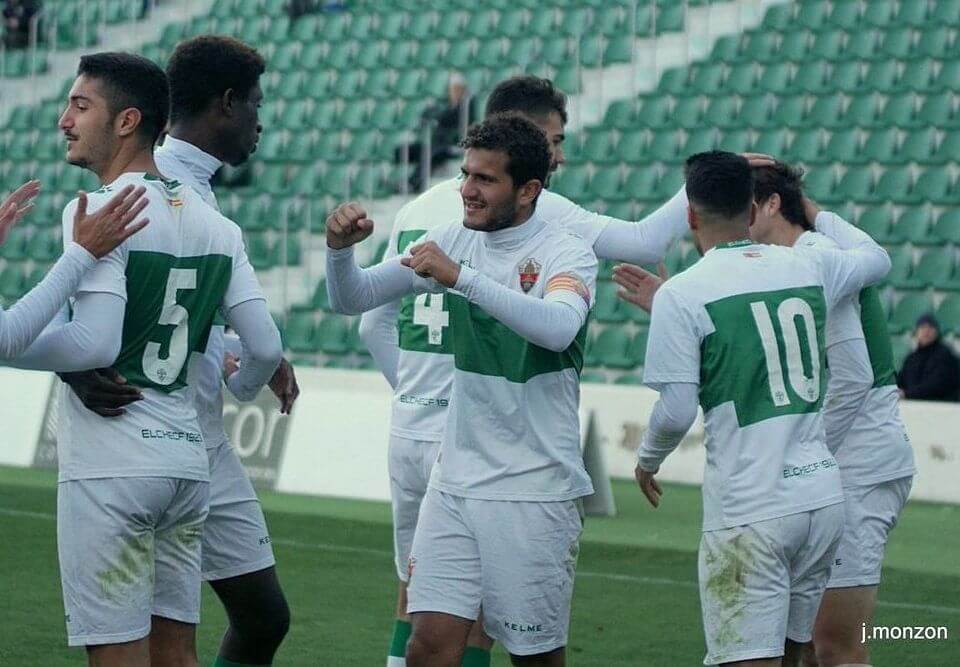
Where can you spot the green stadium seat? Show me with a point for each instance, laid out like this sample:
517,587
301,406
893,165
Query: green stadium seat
881,76
757,112
778,17
796,46
735,141
260,252
670,19
790,111
400,54
912,14
933,185
811,77
605,184
668,185
15,247
770,142
907,310
880,146
948,314
622,114
759,47
876,221
575,22
917,77
641,183
812,15
610,21
726,49
301,333
607,308
944,12
947,227
845,15
775,78
827,43
843,146
913,225
656,112
901,259
936,268
619,49
901,112
333,335
723,111
938,111
665,147
862,111
623,210
895,185
863,45
700,141
898,43
610,348
674,81
741,80
825,112
593,377
948,77
688,112
11,282
934,42
807,146
571,181
512,23
820,184
556,51
707,78
44,246
637,349
845,76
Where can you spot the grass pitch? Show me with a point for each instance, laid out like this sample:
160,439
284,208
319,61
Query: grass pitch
635,603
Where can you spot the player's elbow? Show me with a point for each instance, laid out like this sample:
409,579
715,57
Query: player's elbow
100,355
266,349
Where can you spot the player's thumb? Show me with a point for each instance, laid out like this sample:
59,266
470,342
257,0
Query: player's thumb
81,206
365,225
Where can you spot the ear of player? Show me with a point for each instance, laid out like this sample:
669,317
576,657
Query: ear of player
347,226
110,226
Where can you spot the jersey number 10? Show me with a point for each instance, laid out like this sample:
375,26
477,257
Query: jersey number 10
807,387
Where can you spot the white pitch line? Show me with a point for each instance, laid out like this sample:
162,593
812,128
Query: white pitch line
611,576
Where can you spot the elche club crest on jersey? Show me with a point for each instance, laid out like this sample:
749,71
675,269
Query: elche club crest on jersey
529,273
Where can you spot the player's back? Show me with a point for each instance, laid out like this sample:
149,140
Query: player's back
759,313
174,275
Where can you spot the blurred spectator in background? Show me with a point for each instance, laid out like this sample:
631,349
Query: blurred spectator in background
16,21
448,122
298,8
931,372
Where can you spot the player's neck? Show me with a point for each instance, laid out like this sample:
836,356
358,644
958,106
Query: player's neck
712,236
140,160
785,234
198,135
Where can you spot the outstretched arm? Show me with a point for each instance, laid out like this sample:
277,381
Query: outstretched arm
647,241
859,263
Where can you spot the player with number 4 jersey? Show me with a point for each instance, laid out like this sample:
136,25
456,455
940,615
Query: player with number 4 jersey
742,333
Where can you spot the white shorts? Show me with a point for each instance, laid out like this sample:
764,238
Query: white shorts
762,583
870,513
514,559
410,463
129,549
235,537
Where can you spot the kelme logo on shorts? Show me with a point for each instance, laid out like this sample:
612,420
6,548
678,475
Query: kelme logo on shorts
523,627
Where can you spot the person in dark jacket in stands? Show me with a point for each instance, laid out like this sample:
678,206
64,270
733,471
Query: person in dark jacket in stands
931,372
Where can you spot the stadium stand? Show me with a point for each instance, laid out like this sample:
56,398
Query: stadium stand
860,93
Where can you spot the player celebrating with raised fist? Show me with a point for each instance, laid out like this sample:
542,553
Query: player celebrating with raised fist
519,290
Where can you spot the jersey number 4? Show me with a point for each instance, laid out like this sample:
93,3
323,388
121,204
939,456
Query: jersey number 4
428,312
792,314
165,371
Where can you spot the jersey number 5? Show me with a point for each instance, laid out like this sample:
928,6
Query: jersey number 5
165,371
807,387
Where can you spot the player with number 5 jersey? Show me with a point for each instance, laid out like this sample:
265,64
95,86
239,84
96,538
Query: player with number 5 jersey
742,332
133,489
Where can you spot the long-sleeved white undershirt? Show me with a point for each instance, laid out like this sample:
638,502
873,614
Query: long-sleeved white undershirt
672,416
261,348
23,322
551,322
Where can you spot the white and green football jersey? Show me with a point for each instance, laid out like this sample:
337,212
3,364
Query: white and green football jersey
876,447
175,276
425,365
747,323
513,427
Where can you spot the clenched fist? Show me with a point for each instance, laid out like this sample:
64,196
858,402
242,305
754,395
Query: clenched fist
348,225
429,261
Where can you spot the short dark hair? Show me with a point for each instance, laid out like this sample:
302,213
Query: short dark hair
132,81
784,180
205,67
529,95
720,183
528,154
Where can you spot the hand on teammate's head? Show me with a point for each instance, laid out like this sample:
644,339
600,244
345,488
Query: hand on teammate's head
110,226
348,225
17,205
757,160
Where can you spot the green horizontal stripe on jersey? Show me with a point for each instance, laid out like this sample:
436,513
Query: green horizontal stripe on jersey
147,276
874,322
733,366
483,345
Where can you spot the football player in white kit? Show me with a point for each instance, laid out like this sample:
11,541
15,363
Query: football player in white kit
133,491
518,289
411,339
743,332
215,95
863,426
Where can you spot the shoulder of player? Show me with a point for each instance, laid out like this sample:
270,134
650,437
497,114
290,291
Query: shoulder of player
812,239
434,208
